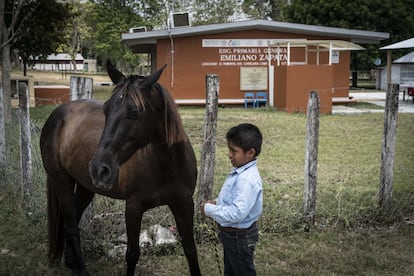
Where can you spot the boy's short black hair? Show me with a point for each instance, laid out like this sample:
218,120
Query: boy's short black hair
246,136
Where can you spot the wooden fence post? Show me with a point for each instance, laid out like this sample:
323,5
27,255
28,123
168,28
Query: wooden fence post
388,147
80,88
2,132
311,157
25,145
207,163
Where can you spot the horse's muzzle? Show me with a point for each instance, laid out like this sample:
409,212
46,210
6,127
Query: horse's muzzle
101,175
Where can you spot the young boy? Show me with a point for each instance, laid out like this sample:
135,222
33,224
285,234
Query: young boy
239,203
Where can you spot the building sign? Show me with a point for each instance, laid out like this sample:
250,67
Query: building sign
253,78
218,43
244,52
335,57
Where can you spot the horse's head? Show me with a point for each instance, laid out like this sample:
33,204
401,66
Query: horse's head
136,114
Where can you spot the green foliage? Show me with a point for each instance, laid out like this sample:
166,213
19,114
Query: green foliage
156,12
76,29
256,9
214,11
39,35
265,9
108,20
392,16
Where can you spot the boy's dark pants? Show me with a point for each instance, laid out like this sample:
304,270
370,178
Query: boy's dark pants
239,248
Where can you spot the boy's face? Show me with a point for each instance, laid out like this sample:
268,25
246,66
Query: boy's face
238,157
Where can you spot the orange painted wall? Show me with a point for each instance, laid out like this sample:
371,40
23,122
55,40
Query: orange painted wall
341,75
280,87
52,95
185,74
294,84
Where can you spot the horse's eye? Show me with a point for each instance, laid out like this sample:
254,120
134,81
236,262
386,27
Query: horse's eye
132,114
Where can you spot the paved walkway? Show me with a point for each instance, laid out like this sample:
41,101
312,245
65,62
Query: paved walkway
377,98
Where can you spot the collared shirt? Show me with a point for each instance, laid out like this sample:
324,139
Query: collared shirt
240,201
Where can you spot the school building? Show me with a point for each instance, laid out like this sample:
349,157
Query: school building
285,60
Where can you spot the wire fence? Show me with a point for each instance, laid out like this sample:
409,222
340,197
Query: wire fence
347,193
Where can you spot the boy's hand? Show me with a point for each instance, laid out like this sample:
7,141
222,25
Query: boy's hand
202,210
202,207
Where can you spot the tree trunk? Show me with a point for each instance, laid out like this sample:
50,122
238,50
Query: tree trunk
2,134
2,120
74,65
354,79
6,82
24,67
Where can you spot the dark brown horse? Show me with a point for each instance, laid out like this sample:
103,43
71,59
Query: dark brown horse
134,148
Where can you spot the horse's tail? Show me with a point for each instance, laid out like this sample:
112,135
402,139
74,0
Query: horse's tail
56,230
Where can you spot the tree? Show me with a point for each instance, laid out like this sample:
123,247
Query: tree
15,29
393,16
109,19
76,30
43,34
9,29
155,12
216,11
9,16
2,121
265,9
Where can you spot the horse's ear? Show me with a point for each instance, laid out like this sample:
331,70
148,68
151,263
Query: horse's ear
154,77
115,75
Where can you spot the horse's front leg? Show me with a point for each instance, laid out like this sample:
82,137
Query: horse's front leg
78,264
183,212
133,217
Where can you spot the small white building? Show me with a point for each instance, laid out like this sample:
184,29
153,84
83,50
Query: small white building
59,62
402,69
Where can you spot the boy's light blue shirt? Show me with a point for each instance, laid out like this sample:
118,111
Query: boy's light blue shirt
240,201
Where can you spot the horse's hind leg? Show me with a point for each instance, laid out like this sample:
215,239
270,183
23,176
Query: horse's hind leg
183,212
83,198
63,187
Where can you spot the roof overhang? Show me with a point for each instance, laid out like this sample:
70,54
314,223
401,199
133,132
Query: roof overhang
408,43
408,58
317,46
334,45
356,36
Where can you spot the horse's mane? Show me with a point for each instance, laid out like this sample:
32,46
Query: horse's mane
128,88
173,126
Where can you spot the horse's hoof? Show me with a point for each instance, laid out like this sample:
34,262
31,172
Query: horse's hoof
70,261
70,264
81,273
